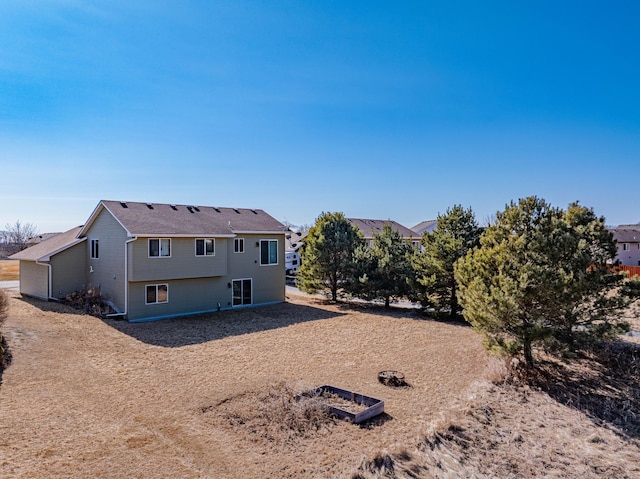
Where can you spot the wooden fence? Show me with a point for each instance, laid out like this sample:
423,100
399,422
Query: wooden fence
632,270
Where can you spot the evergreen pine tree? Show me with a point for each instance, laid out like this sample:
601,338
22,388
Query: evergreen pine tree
327,256
456,233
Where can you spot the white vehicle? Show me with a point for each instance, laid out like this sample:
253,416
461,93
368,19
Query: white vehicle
291,262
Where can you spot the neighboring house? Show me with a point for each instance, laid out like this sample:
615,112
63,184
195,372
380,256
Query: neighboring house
54,267
152,261
425,227
371,227
628,244
40,238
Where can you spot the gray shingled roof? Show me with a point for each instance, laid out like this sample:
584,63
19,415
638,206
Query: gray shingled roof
427,226
369,227
47,248
153,219
626,234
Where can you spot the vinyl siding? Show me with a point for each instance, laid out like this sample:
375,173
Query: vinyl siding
182,264
194,295
268,281
34,279
630,257
69,270
186,296
108,269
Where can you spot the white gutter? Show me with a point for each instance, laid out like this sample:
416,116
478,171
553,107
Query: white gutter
50,286
126,279
126,274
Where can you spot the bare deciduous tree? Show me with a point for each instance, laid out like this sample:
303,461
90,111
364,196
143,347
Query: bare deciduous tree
16,236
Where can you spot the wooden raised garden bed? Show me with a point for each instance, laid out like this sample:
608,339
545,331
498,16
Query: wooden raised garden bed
346,404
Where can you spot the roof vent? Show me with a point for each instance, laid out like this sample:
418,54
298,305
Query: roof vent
150,206
197,209
236,210
254,212
217,209
123,204
190,208
174,207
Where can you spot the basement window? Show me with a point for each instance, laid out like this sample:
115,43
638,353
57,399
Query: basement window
157,293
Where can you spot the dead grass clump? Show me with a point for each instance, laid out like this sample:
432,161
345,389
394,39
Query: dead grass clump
275,415
5,355
4,306
383,465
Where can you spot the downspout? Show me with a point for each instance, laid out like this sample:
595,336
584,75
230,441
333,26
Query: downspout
126,274
50,286
126,279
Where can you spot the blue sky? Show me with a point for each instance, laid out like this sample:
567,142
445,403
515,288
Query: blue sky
377,109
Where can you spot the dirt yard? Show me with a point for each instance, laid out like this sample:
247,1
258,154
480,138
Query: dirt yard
185,398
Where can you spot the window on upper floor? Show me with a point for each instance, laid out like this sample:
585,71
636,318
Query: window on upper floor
159,247
238,245
205,247
157,293
95,252
625,246
268,252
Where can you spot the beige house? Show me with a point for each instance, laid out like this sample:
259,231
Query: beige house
152,261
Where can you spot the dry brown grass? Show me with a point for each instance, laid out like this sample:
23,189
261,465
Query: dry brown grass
9,270
198,397
578,420
213,396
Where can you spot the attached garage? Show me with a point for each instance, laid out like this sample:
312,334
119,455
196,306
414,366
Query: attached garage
67,252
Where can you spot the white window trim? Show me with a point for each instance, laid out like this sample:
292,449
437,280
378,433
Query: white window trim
156,286
260,253
237,241
91,249
159,248
195,245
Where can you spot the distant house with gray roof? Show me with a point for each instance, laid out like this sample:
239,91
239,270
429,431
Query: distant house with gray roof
369,228
425,227
152,261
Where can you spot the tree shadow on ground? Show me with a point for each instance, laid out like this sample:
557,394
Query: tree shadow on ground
188,330
603,384
394,311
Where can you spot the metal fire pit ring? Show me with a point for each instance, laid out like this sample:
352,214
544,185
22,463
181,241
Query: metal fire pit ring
392,378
